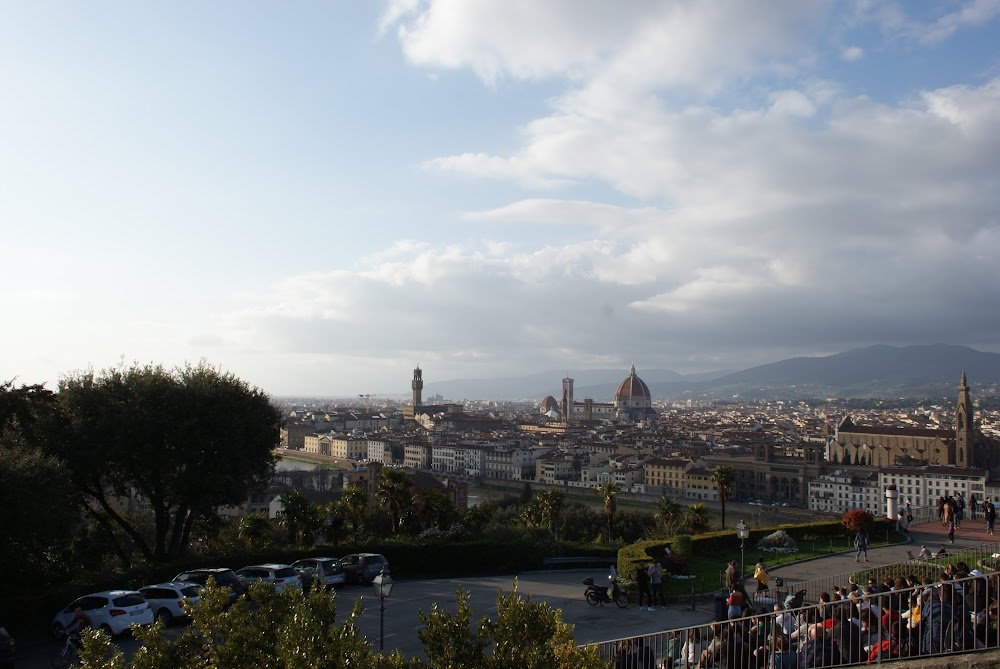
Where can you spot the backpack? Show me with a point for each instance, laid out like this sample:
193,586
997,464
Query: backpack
886,650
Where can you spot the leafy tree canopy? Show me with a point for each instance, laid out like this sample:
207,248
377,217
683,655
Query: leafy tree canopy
181,442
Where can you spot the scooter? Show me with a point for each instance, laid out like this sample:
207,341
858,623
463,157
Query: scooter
597,594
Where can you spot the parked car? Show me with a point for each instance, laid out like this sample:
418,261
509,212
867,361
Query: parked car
7,650
363,567
281,576
329,571
167,599
114,611
223,577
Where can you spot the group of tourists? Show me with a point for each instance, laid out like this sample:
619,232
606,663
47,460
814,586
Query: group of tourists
956,610
951,512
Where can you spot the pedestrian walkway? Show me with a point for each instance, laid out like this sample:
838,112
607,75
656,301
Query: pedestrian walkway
932,534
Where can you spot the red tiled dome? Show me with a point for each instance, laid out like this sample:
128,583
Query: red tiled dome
549,403
632,386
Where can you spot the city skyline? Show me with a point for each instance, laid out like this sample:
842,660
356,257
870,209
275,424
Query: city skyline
319,197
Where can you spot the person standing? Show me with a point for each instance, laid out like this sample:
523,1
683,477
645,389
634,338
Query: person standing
656,584
861,545
973,506
909,513
951,530
760,575
642,583
731,576
990,513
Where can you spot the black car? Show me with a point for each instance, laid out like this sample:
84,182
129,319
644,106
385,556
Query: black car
223,577
7,655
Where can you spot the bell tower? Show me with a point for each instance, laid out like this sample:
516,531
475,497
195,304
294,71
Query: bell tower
965,429
567,400
418,386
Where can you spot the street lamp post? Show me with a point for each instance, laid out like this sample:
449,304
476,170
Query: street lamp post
743,532
382,584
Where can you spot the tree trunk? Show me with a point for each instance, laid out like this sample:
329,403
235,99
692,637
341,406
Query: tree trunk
177,533
97,493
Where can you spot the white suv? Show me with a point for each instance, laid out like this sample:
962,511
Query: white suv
114,611
281,576
167,599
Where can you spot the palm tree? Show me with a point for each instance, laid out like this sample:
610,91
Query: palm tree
300,517
394,493
551,502
531,513
696,518
355,505
724,479
433,507
668,512
609,490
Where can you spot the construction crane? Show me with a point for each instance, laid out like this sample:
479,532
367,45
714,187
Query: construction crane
367,400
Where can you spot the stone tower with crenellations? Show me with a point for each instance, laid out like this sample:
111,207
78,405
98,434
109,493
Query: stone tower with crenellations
418,387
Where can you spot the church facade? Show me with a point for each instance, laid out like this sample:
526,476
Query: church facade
962,445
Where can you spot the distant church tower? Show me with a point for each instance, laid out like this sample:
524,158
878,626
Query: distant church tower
965,427
418,387
567,400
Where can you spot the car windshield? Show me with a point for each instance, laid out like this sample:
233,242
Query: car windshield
129,599
286,572
330,565
375,559
191,591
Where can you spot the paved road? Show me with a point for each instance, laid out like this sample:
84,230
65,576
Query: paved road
564,590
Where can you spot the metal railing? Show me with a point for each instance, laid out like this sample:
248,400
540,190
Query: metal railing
986,558
937,616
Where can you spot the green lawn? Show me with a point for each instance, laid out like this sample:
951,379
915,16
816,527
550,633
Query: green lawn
709,570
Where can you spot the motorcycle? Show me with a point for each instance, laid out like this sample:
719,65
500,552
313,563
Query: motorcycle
597,594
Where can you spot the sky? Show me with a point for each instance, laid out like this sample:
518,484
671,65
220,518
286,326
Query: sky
319,196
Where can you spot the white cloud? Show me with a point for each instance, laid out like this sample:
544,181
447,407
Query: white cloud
639,43
774,229
852,54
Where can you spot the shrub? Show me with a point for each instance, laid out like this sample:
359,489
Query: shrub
682,545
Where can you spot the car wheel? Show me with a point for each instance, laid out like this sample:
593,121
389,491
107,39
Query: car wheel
106,628
165,616
58,631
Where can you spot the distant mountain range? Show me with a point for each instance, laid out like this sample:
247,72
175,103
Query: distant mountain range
873,372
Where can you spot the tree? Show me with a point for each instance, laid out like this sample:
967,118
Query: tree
394,493
181,443
724,479
523,634
22,408
433,506
668,513
857,519
41,514
300,517
43,510
551,502
354,501
696,518
609,490
255,530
